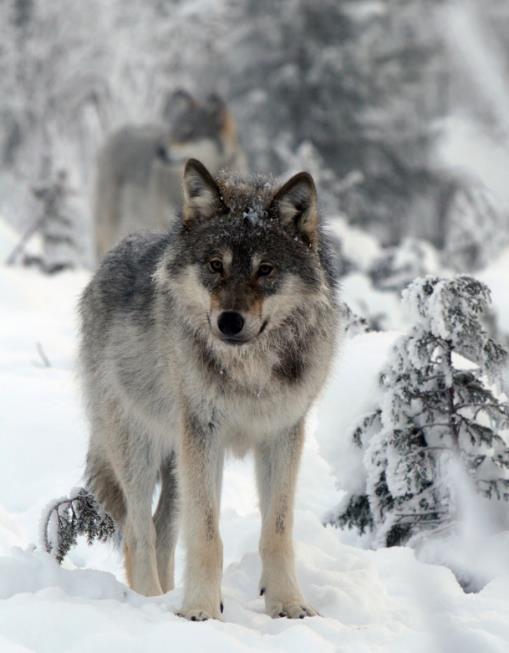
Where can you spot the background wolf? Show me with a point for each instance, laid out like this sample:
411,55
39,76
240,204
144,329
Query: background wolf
139,168
217,336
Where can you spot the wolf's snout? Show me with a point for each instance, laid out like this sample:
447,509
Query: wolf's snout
230,323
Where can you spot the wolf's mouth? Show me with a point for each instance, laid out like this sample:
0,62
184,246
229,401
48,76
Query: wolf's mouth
235,341
238,339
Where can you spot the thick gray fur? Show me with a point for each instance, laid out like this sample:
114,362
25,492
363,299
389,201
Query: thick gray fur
167,396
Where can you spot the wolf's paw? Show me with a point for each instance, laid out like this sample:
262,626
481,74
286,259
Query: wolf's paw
200,614
291,610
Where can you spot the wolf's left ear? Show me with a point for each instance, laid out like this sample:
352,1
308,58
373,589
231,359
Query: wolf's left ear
295,204
202,196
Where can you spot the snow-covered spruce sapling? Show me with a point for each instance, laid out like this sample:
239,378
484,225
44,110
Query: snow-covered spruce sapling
64,520
438,406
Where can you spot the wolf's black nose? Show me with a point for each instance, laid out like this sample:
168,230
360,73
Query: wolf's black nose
230,323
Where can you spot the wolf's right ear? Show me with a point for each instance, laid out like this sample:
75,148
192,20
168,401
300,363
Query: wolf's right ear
202,196
296,205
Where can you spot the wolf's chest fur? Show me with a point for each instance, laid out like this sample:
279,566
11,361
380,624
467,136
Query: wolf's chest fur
251,396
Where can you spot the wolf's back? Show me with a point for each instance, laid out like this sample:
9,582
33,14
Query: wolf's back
134,186
116,309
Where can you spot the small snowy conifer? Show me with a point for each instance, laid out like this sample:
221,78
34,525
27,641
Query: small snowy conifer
60,247
438,406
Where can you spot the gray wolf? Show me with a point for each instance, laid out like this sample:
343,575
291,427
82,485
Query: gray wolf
139,168
216,336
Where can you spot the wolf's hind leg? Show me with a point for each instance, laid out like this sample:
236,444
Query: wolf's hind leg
136,466
140,539
100,479
277,464
165,520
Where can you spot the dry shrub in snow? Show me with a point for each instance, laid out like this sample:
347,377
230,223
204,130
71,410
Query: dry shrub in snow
64,520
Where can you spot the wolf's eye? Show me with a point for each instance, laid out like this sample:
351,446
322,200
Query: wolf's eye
216,265
264,270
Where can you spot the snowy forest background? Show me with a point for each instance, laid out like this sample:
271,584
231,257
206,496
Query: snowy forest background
400,110
399,107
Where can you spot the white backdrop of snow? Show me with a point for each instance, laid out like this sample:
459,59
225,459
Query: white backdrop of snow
383,600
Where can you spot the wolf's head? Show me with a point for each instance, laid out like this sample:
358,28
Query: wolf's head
204,129
247,255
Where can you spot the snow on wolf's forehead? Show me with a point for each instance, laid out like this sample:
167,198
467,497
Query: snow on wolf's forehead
247,221
248,197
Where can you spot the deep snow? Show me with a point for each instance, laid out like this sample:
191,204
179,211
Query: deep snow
383,600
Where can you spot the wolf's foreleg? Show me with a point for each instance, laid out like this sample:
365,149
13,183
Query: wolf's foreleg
277,464
200,474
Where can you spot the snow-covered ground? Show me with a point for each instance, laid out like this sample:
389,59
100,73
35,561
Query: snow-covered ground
382,600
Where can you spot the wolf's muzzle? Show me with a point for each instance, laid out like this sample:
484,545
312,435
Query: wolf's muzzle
230,323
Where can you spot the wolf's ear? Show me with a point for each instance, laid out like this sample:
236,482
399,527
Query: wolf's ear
177,103
202,196
295,204
217,109
215,102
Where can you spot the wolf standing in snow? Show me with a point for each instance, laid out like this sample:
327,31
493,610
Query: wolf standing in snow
139,168
216,336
